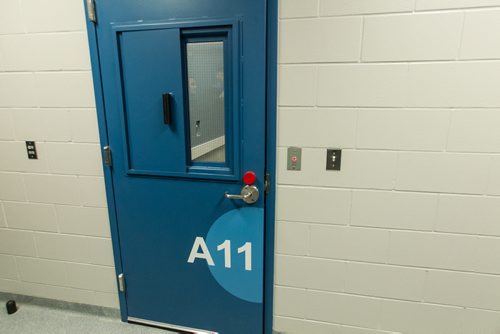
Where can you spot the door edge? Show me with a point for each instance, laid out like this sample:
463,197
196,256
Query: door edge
271,126
103,136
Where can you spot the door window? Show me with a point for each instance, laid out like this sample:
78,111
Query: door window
191,75
206,100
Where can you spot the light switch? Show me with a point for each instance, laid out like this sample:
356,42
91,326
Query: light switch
333,159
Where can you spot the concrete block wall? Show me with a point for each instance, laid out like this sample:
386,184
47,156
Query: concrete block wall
406,238
403,240
54,231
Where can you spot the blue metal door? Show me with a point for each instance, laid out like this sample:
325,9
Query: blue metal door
183,85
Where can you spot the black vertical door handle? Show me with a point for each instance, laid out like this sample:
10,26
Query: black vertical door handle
167,108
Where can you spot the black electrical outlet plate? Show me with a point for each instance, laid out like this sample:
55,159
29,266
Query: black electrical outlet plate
333,159
31,149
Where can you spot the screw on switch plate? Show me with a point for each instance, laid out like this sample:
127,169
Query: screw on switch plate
333,159
31,148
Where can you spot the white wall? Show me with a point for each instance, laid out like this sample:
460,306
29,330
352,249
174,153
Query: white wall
406,238
54,231
403,239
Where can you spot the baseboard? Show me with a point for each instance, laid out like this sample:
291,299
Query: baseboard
59,304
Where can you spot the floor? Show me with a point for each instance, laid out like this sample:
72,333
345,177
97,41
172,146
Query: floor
31,319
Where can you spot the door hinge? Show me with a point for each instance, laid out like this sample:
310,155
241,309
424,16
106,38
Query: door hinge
91,10
121,282
108,158
267,183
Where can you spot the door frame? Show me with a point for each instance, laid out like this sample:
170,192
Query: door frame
271,126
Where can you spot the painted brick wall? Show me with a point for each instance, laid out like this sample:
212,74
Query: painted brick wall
402,240
405,239
54,230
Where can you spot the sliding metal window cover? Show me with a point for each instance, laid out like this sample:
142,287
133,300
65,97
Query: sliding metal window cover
168,326
206,93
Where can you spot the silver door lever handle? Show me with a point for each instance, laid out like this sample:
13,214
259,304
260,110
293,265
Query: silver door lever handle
232,196
249,194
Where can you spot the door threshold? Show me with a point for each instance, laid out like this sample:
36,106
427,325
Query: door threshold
162,325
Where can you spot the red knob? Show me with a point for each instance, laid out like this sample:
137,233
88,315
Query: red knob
249,178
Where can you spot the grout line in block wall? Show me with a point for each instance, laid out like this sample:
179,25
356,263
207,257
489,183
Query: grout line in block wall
87,236
396,13
466,9
388,248
393,229
429,192
300,18
102,266
316,86
346,269
20,11
356,126
66,274
462,30
379,298
393,265
69,109
345,293
57,204
354,327
76,262
35,72
381,62
436,214
362,39
56,214
424,287
33,233
43,33
18,272
61,286
475,253
385,299
69,142
395,172
308,253
4,215
382,107
48,173
65,287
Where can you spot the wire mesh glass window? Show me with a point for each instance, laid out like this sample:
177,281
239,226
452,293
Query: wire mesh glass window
206,89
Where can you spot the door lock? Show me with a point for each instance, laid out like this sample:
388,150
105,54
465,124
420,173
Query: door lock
249,194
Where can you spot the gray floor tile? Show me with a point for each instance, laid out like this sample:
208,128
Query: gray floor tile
33,319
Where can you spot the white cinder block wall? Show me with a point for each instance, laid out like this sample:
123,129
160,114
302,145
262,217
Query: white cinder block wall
403,240
54,231
406,238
